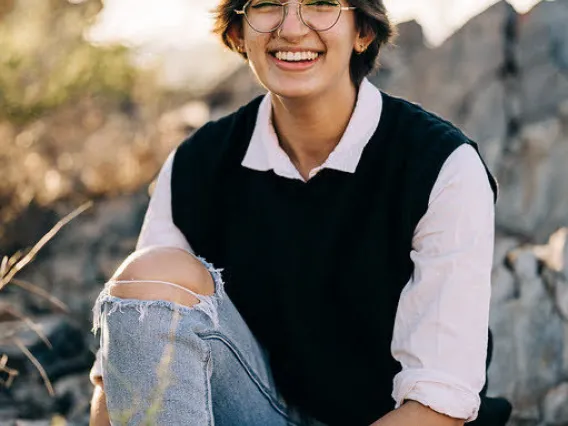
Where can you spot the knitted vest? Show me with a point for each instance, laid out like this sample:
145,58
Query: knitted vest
316,268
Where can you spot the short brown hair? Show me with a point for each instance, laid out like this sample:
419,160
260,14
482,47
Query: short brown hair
371,15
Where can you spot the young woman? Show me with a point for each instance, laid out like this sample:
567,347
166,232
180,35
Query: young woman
355,234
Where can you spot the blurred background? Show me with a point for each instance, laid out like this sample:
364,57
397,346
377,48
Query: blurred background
94,95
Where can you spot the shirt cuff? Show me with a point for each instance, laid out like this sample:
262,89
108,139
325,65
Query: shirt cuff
438,391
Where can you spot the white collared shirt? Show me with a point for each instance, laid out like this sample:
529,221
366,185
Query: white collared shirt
440,332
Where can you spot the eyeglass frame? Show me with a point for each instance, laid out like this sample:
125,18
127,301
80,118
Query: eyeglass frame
285,14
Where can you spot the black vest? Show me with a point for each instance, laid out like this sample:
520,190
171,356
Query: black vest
316,269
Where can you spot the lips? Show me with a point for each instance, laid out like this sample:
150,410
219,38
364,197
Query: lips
294,65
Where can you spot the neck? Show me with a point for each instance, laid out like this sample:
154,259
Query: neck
310,129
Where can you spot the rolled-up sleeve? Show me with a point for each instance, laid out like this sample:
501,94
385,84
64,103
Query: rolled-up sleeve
440,335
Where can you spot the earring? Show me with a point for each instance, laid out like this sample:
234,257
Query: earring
362,48
240,48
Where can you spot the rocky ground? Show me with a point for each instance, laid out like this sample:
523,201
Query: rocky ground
503,78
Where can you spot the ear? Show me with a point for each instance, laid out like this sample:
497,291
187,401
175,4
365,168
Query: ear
365,37
235,35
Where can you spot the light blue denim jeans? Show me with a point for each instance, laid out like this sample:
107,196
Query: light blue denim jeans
167,364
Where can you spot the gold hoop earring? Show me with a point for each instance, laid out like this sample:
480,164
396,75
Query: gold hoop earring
362,49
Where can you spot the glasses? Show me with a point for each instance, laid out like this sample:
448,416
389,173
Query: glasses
266,16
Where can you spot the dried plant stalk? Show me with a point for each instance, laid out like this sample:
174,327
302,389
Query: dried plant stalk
32,325
21,263
9,371
32,288
36,363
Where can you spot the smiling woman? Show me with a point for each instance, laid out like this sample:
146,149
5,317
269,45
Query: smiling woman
355,232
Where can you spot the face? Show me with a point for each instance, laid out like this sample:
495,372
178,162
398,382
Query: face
324,55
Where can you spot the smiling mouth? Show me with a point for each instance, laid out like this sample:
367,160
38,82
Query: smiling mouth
307,56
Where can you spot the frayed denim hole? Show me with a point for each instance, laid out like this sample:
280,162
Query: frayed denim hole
218,282
207,304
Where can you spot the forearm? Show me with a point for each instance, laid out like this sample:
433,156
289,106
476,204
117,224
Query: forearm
99,412
413,413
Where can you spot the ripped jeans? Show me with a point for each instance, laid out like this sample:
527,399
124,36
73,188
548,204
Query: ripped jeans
168,364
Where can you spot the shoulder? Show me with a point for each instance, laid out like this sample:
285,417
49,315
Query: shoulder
433,145
465,170
420,126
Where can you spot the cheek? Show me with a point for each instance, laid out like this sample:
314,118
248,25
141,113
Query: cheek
339,44
256,44
343,34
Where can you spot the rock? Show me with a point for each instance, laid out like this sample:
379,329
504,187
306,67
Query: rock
73,395
30,225
528,340
503,286
561,294
555,406
543,58
8,410
466,64
396,61
564,371
534,197
66,355
503,282
485,120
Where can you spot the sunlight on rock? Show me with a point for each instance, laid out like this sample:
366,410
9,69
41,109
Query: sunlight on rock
554,254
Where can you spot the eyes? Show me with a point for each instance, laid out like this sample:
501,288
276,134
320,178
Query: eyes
266,16
262,4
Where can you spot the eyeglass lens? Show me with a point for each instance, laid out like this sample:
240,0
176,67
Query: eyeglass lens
267,15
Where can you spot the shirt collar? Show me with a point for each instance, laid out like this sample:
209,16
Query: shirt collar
264,152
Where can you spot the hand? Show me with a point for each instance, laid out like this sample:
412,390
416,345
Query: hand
413,413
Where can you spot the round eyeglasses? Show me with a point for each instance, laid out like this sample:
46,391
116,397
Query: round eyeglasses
266,16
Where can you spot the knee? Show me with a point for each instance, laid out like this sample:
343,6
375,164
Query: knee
162,264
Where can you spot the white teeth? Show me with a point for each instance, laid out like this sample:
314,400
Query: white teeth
296,56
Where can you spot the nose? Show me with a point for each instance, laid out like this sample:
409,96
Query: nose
292,27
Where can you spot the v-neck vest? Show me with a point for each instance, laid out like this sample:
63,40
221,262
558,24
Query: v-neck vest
316,268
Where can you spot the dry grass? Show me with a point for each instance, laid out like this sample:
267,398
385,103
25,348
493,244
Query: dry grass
9,268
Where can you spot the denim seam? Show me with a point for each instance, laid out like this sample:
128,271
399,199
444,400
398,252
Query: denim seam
208,399
250,371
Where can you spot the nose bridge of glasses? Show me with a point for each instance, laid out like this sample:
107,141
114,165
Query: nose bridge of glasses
288,3
285,11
